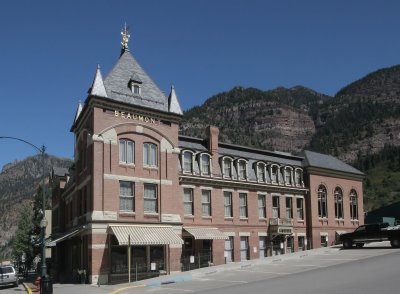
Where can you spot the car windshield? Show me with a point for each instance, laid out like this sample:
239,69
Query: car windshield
6,270
360,229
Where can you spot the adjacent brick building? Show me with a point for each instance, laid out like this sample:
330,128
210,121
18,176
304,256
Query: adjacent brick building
141,197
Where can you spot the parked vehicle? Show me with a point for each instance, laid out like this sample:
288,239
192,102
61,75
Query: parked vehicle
371,233
8,275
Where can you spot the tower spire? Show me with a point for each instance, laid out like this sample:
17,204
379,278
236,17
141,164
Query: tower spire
125,39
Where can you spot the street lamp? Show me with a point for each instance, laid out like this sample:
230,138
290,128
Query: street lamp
43,222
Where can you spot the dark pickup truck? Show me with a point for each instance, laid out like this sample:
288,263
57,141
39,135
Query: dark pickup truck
371,233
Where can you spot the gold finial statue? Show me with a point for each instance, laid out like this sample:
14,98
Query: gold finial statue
125,38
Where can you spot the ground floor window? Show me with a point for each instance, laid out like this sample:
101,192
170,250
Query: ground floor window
301,243
244,248
324,241
262,246
228,253
289,245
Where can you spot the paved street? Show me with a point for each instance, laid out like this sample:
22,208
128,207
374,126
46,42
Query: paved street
373,269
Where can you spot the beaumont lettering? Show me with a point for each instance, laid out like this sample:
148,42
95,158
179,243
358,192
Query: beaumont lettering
132,116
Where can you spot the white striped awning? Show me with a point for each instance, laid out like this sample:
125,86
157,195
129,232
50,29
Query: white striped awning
200,233
145,235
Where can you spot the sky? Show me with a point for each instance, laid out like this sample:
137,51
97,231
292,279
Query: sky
49,51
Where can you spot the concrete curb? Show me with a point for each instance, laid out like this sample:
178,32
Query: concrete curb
170,280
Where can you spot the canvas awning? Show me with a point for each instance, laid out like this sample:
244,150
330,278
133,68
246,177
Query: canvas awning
52,243
145,235
200,233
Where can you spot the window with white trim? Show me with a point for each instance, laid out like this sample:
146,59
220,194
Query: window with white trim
353,205
206,202
300,208
149,155
150,198
261,172
228,204
227,167
126,196
242,169
275,207
205,166
243,205
338,197
289,211
261,206
274,170
188,201
322,205
187,159
228,250
298,177
244,248
126,151
288,176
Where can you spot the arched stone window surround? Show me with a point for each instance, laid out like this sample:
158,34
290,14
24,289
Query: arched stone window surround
200,157
260,168
288,175
298,177
226,163
187,166
274,173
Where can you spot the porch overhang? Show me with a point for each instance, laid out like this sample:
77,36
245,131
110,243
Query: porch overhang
69,235
145,235
201,233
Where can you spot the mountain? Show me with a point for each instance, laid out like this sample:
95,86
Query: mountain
19,182
279,119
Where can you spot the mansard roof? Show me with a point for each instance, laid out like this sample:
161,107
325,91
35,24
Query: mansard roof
318,160
117,84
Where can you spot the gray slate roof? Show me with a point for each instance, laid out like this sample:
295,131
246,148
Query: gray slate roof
117,84
59,171
315,159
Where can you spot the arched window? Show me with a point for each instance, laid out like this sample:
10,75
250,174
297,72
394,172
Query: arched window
274,172
227,167
338,195
288,176
187,161
242,169
126,151
353,205
260,170
205,164
298,177
150,155
322,205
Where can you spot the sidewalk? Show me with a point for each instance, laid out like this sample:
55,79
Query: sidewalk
177,277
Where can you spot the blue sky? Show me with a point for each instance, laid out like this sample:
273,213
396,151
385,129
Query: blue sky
49,51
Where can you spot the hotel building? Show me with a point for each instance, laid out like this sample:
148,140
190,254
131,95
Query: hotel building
144,200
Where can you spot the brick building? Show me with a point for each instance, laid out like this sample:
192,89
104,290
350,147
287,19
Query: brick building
141,197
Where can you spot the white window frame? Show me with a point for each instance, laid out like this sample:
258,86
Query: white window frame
262,211
289,210
300,210
276,209
243,212
288,175
147,199
338,201
228,204
274,175
241,167
127,197
124,151
260,166
150,155
298,177
206,205
322,201
227,161
188,202
208,170
190,155
353,204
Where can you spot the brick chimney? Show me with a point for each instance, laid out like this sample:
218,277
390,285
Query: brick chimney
212,134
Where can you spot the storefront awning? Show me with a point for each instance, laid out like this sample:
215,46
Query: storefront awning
200,233
52,243
145,235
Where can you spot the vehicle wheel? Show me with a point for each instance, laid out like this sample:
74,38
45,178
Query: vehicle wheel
395,243
347,244
360,245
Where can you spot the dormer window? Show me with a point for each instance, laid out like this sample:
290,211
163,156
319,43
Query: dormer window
288,176
187,161
260,172
242,169
205,164
274,173
135,84
227,167
298,177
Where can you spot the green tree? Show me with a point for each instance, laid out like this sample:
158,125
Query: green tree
22,250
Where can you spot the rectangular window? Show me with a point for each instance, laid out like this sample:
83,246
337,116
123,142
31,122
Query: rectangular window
243,205
275,207
150,154
188,201
300,208
244,248
126,151
262,247
205,164
289,212
150,198
228,252
289,245
261,206
324,241
261,172
228,204
301,243
206,202
288,176
126,196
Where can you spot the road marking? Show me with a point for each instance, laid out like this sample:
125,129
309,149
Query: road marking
29,290
219,280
